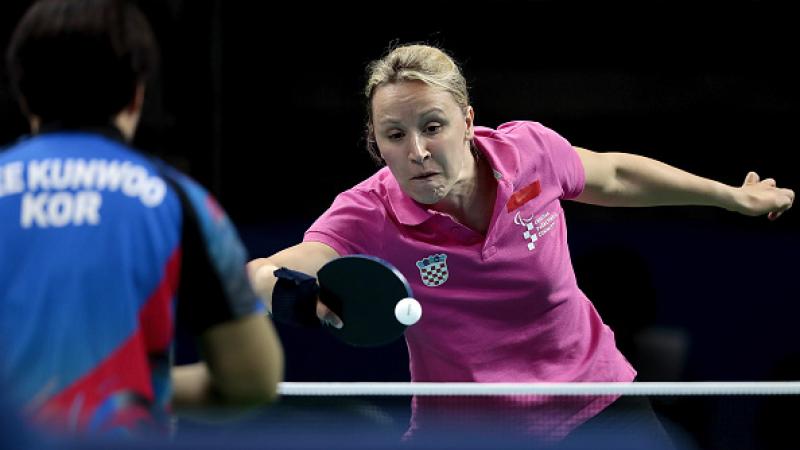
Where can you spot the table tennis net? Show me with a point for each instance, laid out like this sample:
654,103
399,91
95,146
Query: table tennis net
726,415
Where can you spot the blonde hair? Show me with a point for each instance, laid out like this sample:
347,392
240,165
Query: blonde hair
416,62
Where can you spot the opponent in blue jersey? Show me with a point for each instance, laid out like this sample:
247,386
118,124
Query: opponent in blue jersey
104,250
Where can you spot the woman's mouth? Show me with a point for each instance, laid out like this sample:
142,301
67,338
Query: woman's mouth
424,176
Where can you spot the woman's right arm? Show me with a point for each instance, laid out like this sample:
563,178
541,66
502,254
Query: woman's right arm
306,257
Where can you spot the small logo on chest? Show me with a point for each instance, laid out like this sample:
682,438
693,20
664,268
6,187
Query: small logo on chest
433,270
535,229
529,234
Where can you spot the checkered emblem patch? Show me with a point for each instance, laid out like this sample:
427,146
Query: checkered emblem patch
433,270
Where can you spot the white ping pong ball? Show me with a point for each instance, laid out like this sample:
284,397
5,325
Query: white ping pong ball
408,311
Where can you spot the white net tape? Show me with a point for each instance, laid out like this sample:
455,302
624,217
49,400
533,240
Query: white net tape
488,389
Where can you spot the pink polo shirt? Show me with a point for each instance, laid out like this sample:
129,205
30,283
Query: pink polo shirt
504,307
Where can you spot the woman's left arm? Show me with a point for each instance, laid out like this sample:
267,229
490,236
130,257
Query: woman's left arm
621,179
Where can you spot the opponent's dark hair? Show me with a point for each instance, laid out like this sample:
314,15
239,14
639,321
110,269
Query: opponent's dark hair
78,62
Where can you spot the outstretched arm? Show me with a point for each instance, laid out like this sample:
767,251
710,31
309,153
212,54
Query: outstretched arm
621,179
306,257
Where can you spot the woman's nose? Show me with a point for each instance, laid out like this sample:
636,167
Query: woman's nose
418,152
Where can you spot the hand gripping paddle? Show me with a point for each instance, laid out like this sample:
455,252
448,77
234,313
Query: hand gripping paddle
372,298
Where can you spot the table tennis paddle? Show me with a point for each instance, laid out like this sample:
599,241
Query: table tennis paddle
370,296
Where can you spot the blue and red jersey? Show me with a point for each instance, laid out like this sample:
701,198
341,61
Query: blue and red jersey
102,252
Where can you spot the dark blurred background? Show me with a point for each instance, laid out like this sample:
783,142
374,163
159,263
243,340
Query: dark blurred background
261,102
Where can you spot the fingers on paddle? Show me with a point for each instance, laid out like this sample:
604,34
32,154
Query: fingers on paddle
328,317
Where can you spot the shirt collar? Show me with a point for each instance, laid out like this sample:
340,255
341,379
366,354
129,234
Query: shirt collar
502,156
107,130
407,210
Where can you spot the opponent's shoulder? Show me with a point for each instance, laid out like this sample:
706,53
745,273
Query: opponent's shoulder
10,150
192,194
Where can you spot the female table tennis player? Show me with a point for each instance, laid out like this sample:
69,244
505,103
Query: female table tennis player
472,217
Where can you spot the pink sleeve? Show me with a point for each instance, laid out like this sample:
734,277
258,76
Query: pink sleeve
558,156
566,164
353,224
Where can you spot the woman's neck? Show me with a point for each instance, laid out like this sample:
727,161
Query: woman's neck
472,203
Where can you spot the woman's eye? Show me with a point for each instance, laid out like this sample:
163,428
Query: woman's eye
433,128
395,136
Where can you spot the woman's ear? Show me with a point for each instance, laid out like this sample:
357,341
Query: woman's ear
470,122
34,121
137,102
127,120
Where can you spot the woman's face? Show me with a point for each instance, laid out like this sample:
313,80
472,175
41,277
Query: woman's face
423,135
